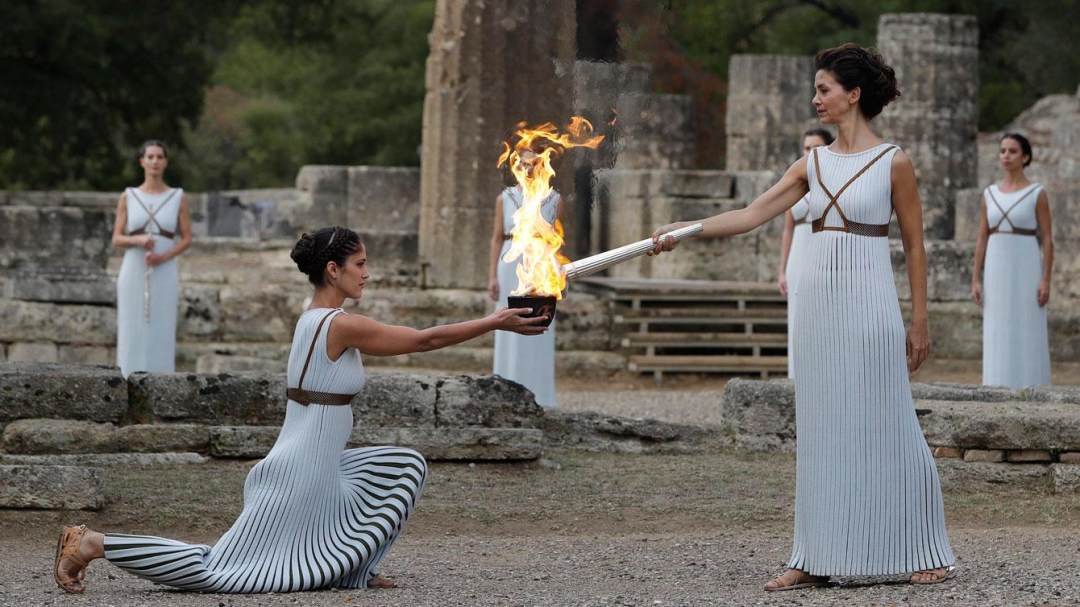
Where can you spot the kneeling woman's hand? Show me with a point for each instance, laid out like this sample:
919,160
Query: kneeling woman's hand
517,320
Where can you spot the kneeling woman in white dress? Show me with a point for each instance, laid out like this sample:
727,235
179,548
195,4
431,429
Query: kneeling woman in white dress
154,224
316,515
1015,254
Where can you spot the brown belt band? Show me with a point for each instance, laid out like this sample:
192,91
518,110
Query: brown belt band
851,227
1017,231
308,397
165,233
507,236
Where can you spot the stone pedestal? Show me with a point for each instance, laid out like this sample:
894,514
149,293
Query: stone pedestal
935,120
769,107
492,65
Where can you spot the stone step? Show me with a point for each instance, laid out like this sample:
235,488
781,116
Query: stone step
704,340
51,487
719,363
761,416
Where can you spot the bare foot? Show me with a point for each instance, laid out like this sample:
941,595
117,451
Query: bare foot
378,581
793,579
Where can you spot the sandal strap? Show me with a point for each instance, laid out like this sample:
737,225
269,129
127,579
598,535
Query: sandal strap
70,548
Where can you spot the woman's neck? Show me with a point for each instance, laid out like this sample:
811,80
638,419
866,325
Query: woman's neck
1014,180
854,135
153,185
326,297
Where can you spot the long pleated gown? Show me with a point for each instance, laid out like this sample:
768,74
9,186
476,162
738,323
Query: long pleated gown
868,499
315,514
146,302
1016,346
800,241
527,359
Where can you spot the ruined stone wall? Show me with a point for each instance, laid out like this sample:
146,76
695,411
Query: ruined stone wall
491,65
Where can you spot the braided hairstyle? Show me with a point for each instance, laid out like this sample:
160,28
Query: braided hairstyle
313,251
854,66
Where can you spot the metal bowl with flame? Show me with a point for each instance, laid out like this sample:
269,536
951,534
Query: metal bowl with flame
541,305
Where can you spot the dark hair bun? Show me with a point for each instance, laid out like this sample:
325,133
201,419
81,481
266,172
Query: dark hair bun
303,253
854,66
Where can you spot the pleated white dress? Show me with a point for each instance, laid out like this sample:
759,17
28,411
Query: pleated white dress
146,318
1016,348
315,515
868,499
800,241
527,359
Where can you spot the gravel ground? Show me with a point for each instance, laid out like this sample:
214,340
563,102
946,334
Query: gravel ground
1005,567
589,530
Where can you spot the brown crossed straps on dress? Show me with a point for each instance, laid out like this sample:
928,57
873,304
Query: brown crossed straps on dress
150,214
1005,214
851,227
310,397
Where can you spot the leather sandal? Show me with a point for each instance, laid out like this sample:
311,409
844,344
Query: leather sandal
67,547
800,579
937,576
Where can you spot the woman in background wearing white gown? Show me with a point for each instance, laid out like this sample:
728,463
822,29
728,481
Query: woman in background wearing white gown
153,222
530,361
1014,253
794,242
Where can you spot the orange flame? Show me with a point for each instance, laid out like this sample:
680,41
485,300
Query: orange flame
534,240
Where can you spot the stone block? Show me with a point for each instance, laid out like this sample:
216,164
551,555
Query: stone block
52,487
592,431
947,452
382,199
396,400
984,455
163,438
760,416
28,321
33,352
82,287
216,364
962,474
94,394
458,444
43,237
1066,478
105,459
1016,425
489,401
1017,456
259,312
767,108
249,399
244,442
1070,457
656,132
199,313
86,355
38,436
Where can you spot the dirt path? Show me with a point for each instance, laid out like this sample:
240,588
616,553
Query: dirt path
578,529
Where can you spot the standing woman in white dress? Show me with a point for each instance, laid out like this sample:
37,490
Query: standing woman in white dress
153,222
794,241
316,515
1015,247
867,498
530,361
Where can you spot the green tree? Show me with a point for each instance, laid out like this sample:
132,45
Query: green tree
86,81
331,82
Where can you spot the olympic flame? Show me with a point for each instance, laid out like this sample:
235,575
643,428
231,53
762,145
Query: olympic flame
533,239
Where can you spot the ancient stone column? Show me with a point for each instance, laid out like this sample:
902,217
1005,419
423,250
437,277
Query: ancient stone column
769,107
493,63
935,121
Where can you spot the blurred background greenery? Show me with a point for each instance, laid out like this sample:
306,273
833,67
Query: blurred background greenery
248,91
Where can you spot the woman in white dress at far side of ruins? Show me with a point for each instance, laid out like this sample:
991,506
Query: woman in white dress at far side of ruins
867,498
316,515
153,222
794,242
1014,255
527,360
